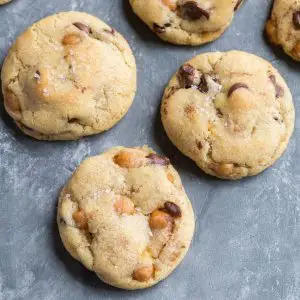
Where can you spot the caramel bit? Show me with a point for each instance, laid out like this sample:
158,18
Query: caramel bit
278,89
271,31
170,178
126,159
224,169
172,209
80,219
241,100
71,39
172,4
159,219
296,50
124,206
143,274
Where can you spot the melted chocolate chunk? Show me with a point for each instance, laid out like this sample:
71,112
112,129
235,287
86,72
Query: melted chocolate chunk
296,19
235,87
203,86
188,75
158,160
173,209
159,29
83,27
278,89
191,10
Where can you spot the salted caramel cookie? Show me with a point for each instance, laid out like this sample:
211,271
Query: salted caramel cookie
4,1
125,215
68,76
186,22
232,113
283,27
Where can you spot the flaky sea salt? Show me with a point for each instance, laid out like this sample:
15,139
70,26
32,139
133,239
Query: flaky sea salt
46,92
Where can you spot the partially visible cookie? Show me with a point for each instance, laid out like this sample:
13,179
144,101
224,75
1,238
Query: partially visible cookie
69,75
232,113
4,1
283,27
186,22
125,215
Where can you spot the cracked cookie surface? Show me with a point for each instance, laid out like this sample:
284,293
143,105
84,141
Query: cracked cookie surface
283,27
232,113
67,76
186,22
125,215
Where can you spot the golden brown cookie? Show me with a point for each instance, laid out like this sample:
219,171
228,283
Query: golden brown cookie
186,22
4,1
125,215
283,27
67,76
232,113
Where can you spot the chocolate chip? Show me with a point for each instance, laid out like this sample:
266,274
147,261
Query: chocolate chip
171,92
296,19
279,90
73,120
219,112
238,5
173,209
203,86
37,75
158,160
62,221
192,11
83,27
187,74
235,87
111,31
199,145
159,29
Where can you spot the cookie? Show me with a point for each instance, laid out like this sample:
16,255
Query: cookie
186,22
4,1
232,113
68,76
125,215
283,27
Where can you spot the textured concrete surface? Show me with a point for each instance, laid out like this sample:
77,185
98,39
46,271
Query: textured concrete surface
247,240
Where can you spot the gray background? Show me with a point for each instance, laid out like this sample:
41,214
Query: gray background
247,239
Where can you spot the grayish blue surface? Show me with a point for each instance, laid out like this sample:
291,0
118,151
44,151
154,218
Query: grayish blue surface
247,239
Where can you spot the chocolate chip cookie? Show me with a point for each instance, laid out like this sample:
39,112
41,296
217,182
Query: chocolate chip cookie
232,113
4,1
68,76
283,27
125,215
186,22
